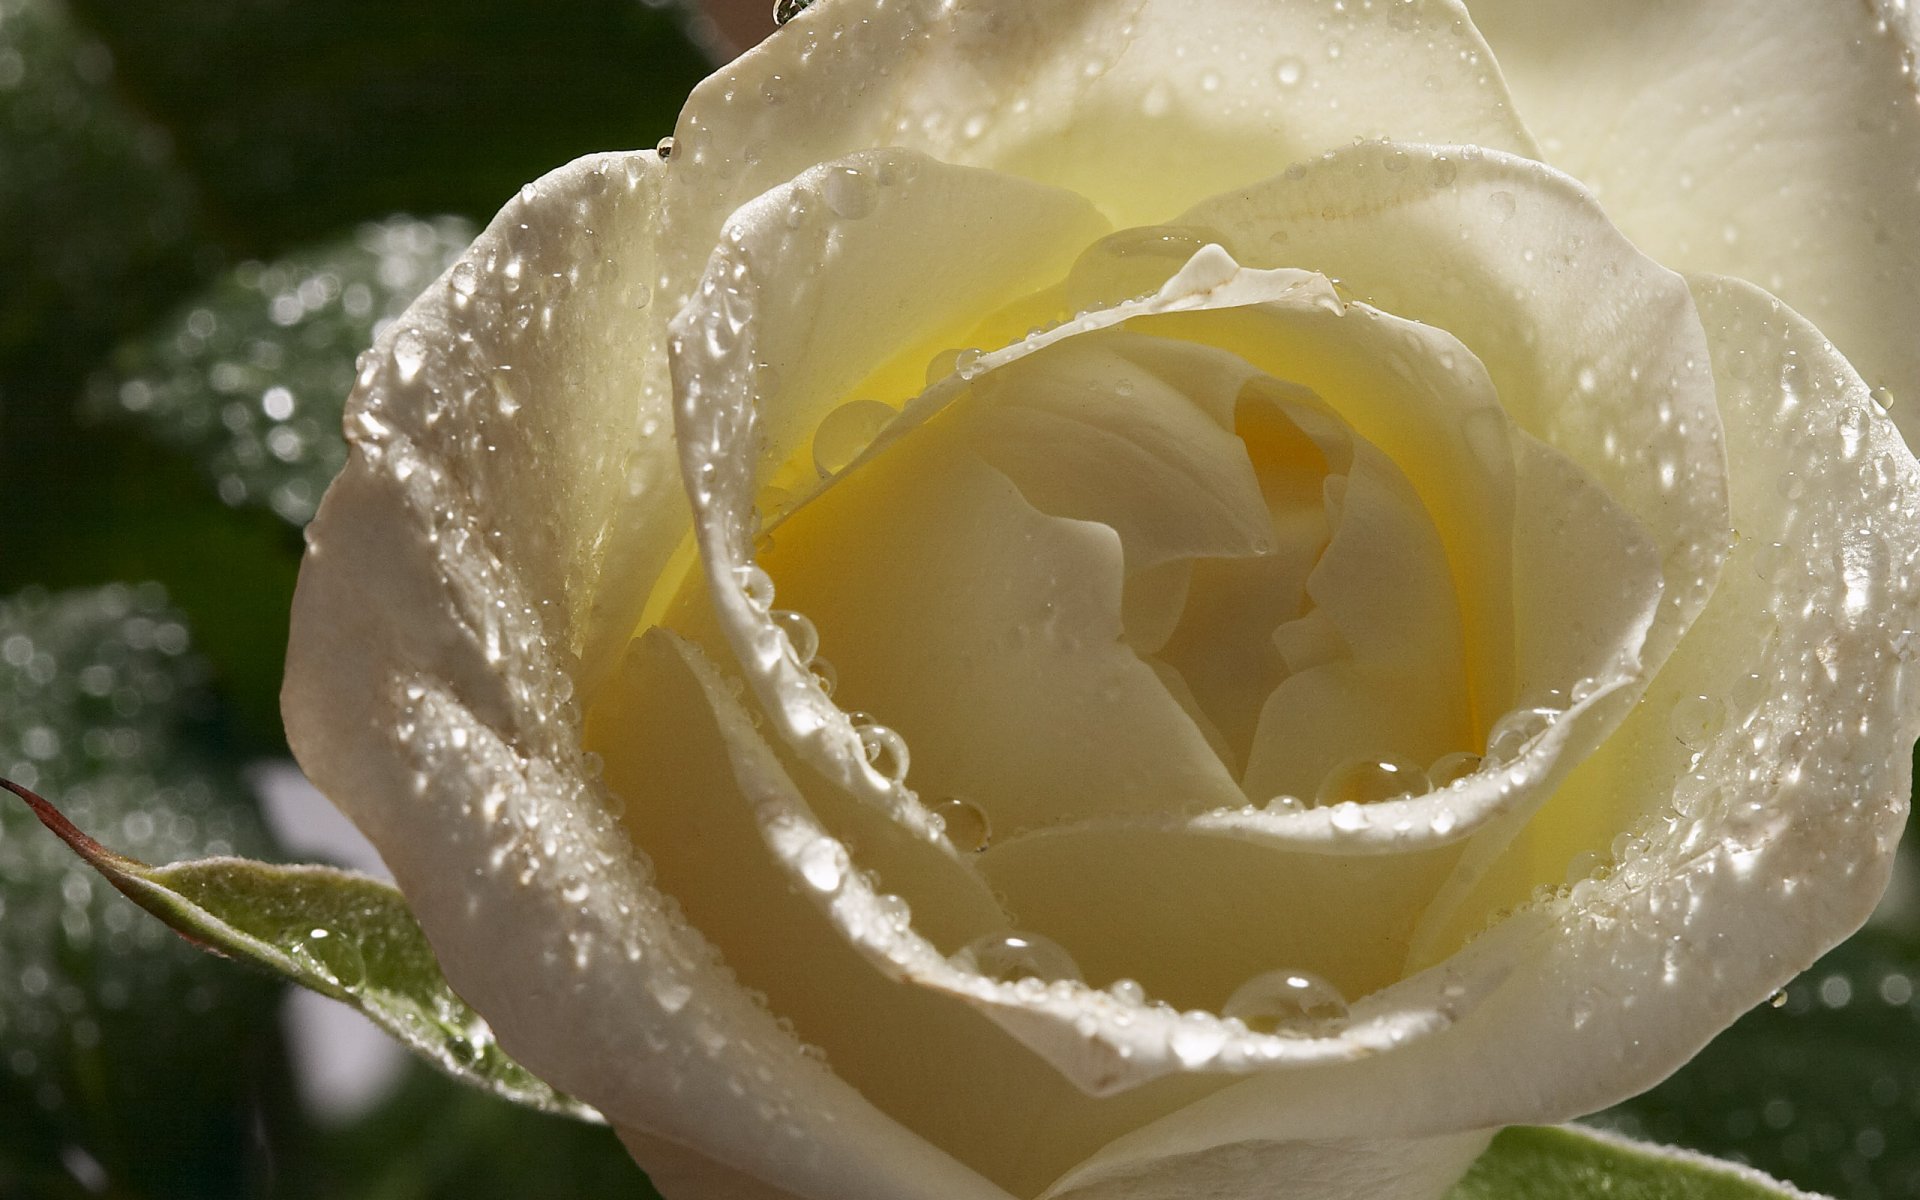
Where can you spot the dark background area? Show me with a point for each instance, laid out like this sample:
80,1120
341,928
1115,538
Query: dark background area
203,201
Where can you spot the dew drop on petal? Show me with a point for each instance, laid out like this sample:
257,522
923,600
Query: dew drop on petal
886,750
1512,733
801,634
851,193
1450,769
1287,1002
964,823
1012,956
1368,780
756,585
1696,719
823,864
847,431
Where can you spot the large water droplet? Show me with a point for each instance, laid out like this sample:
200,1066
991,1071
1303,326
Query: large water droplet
1013,955
1130,263
823,864
801,634
333,957
1513,732
846,432
1696,719
886,750
851,193
964,823
1295,1003
1450,769
1369,780
787,10
756,585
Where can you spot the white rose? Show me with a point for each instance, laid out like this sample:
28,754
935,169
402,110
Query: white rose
1400,452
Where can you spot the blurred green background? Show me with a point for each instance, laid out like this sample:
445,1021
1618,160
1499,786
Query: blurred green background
206,209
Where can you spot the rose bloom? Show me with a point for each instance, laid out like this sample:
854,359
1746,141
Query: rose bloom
1183,597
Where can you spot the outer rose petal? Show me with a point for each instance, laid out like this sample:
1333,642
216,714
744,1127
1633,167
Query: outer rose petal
1771,140
506,505
1143,106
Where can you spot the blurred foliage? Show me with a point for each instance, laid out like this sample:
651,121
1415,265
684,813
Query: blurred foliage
165,161
178,176
104,703
249,377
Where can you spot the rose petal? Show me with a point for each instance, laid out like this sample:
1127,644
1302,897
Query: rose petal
1142,107
1592,347
455,585
1776,142
1781,836
1136,1168
989,634
730,858
1105,1045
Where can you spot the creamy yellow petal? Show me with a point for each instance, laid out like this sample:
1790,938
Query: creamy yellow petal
1144,106
1591,346
1741,866
1773,141
506,506
989,635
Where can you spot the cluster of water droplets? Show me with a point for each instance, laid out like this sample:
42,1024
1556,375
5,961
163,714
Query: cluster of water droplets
251,376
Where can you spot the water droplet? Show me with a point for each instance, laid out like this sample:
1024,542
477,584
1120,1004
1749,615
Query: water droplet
1450,769
1132,262
664,148
1588,380
1444,171
1128,992
335,958
1369,780
1297,1003
824,674
1289,71
1013,955
823,864
787,10
886,750
756,585
965,824
1778,999
801,634
846,432
1512,732
851,193
1696,719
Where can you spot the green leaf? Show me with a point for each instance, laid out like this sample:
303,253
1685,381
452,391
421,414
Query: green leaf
1570,1163
249,375
343,935
119,1046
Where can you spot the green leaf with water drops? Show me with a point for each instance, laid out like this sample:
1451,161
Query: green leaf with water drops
1570,1163
249,376
341,934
